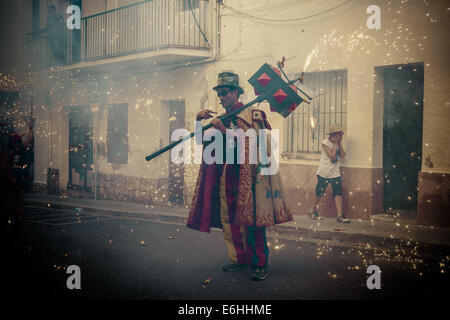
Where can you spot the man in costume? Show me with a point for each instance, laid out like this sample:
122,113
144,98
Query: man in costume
236,197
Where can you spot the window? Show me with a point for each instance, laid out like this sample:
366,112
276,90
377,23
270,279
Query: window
306,127
117,136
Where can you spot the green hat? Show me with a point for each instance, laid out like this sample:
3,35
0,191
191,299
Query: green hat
228,79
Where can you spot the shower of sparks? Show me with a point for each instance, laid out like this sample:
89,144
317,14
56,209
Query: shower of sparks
398,43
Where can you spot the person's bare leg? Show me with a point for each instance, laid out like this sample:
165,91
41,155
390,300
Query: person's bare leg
316,204
314,213
338,203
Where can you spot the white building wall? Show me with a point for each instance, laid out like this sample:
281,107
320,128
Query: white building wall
411,32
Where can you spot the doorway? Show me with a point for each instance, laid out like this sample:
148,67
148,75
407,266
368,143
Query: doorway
176,171
80,149
402,135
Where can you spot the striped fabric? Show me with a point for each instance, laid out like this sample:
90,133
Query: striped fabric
244,245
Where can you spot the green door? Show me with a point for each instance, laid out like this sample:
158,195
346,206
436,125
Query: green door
402,135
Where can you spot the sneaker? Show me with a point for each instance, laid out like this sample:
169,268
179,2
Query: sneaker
259,274
235,267
343,219
314,215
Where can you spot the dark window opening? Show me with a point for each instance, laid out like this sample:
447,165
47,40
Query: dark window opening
117,136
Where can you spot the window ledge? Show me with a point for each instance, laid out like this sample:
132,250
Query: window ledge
117,166
300,156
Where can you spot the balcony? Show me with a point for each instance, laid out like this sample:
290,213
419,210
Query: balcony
167,31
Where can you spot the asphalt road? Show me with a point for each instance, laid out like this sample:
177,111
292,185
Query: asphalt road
123,258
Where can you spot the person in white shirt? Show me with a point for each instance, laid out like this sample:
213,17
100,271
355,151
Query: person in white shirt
328,171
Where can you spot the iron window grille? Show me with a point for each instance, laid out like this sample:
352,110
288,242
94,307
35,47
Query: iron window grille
188,4
306,127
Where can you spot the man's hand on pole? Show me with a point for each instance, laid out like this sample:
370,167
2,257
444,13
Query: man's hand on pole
204,114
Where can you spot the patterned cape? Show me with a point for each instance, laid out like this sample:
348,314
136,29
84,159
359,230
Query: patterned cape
261,200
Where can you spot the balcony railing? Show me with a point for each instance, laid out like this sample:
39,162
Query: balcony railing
143,26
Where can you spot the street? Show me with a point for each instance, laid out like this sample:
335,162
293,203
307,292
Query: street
124,258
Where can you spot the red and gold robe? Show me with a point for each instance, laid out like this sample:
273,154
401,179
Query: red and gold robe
260,200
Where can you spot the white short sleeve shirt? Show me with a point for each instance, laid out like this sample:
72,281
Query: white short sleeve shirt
328,169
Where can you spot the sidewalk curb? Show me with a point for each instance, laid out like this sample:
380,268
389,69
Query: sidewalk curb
152,216
363,241
287,231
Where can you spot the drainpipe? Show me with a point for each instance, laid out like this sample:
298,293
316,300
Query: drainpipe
49,112
95,155
218,31
96,109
